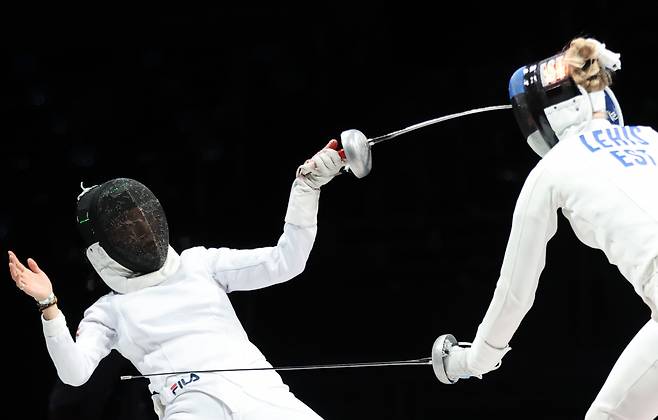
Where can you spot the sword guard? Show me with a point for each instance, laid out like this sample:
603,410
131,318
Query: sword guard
440,351
357,152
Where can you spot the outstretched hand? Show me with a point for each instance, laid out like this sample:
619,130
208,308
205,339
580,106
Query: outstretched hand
31,280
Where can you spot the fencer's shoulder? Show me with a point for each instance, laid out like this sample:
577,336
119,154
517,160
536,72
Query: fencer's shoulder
542,169
105,299
204,252
196,253
647,131
642,127
101,306
542,179
559,159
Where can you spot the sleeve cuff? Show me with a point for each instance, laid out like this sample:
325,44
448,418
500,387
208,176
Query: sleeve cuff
303,205
55,326
483,357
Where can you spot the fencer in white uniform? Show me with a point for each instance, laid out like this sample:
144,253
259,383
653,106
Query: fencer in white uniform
603,176
178,317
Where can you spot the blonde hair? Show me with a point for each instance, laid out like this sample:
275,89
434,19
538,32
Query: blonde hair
583,65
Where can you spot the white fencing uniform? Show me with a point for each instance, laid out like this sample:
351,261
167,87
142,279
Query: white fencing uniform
605,180
185,321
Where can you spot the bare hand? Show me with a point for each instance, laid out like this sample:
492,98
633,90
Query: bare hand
31,280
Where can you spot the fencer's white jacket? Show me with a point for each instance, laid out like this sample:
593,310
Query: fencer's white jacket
604,178
186,322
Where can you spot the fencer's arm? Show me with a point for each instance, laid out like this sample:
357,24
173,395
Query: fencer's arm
249,269
533,224
262,267
75,361
50,312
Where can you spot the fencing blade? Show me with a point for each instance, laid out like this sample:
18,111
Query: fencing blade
389,136
412,362
357,147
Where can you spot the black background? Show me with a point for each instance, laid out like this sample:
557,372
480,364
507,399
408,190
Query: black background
215,108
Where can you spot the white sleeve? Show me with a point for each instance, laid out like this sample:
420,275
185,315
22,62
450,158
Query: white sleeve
249,269
534,223
75,361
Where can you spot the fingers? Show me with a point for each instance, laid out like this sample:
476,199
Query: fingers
17,276
333,144
336,160
306,168
31,281
13,272
328,162
17,271
325,163
16,262
33,265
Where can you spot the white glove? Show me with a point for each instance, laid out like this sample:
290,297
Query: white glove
322,167
456,364
466,362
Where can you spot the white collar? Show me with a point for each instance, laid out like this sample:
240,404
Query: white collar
589,125
122,280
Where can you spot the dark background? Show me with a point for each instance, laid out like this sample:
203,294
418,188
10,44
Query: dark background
215,108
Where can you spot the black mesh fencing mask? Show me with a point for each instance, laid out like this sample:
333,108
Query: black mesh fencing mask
127,221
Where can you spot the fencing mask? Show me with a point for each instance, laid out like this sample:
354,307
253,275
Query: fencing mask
547,102
126,219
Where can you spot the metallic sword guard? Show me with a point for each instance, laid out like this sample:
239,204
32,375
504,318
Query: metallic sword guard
440,351
357,152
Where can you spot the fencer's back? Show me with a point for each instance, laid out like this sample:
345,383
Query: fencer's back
605,180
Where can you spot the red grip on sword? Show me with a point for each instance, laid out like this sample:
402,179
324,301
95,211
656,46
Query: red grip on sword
341,153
